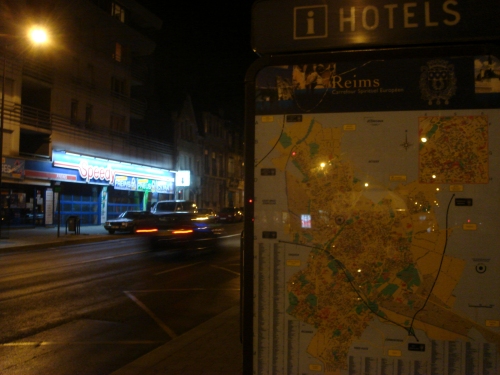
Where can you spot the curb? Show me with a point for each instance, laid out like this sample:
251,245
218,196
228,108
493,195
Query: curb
166,358
56,243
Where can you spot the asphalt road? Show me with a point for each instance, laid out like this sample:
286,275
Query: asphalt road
93,308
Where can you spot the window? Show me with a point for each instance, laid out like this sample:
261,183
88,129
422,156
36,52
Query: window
88,115
74,111
90,75
183,130
207,163
118,12
230,167
117,54
117,123
214,164
9,86
117,86
75,70
220,165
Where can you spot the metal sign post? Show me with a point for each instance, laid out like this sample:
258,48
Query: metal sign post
58,191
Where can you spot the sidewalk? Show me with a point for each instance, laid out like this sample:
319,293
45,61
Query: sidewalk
212,348
37,237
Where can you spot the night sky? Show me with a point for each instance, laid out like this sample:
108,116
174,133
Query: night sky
204,49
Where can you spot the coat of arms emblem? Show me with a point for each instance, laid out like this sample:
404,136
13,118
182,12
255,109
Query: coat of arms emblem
438,82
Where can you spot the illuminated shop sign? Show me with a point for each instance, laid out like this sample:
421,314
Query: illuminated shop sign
183,178
126,183
123,176
143,184
13,168
308,25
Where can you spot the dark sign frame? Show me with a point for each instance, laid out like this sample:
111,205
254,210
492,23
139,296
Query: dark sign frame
247,278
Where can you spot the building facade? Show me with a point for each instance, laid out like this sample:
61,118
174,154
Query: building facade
188,153
67,109
222,169
209,154
72,111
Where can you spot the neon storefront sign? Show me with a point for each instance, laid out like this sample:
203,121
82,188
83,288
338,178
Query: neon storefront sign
88,172
123,176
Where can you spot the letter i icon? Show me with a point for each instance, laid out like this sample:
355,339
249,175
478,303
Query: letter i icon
310,22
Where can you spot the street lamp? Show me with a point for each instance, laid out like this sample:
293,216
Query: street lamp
36,35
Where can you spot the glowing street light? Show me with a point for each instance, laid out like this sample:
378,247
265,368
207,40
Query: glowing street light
37,35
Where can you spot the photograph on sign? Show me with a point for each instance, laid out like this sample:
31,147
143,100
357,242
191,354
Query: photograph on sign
384,258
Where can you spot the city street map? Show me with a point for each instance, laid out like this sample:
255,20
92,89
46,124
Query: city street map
376,231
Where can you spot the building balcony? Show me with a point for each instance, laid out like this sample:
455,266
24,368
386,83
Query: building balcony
138,108
25,115
235,183
139,72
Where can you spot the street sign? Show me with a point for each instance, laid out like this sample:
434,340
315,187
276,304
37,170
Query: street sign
283,26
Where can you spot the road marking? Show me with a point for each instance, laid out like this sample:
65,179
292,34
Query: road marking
5,277
230,235
178,268
177,290
47,343
225,269
162,325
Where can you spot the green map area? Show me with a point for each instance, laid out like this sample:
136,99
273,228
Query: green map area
376,252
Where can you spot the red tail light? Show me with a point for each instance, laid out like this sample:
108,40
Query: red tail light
152,230
182,231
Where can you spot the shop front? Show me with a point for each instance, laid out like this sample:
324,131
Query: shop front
90,188
21,198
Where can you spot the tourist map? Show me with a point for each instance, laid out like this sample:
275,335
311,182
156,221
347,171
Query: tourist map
384,258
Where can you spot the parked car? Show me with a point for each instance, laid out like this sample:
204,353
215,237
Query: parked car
132,222
210,214
230,215
184,232
169,206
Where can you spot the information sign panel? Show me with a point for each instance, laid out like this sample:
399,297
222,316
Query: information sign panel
289,26
376,201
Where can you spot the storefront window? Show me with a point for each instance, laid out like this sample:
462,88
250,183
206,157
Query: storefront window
123,200
81,201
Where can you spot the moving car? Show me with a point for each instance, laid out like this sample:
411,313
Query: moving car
186,232
230,215
165,207
210,214
132,222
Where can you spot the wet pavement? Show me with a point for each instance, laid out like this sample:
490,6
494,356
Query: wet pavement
212,348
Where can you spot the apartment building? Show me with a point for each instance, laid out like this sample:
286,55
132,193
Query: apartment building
222,178
67,109
188,153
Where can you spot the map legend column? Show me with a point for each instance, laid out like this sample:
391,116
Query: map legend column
263,303
490,359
